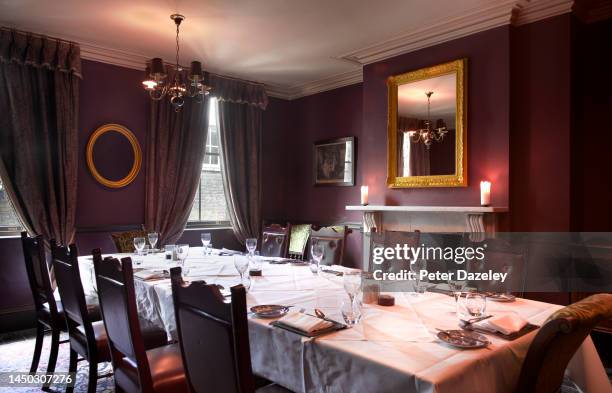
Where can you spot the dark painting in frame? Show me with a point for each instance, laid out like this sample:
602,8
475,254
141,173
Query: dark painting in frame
334,162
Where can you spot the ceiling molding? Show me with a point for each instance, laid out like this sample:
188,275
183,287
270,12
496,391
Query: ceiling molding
443,30
113,56
535,10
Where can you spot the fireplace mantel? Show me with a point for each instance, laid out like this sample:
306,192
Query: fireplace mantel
433,209
473,219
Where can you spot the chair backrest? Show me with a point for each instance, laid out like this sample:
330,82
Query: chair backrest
275,240
67,274
300,234
213,336
333,240
115,281
556,342
124,241
38,272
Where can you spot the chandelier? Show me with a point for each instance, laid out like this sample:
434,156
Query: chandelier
176,90
428,134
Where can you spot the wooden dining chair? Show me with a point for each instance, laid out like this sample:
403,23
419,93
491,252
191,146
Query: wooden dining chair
85,329
558,340
158,370
222,361
124,241
333,239
298,240
49,312
275,240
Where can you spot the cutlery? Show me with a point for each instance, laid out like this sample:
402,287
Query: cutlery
474,320
321,314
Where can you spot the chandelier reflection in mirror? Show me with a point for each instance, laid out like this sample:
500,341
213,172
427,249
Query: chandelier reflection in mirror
429,134
176,90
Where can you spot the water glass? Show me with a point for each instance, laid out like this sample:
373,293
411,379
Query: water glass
316,252
153,237
255,262
251,244
456,287
206,239
169,251
351,311
473,305
139,243
241,263
182,251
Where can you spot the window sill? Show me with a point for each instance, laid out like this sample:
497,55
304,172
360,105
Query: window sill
208,227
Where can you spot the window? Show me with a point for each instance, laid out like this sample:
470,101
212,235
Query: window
9,222
209,206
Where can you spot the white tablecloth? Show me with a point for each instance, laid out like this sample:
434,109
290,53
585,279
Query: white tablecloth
393,349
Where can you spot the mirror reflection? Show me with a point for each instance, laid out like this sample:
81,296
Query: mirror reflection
426,126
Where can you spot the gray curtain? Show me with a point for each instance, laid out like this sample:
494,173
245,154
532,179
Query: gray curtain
39,91
241,105
175,149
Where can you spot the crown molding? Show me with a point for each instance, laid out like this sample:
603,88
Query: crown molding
535,10
113,56
320,85
443,30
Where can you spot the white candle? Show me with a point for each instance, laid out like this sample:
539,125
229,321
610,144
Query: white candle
364,195
485,193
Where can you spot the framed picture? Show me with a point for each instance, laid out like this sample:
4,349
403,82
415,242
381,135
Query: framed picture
334,162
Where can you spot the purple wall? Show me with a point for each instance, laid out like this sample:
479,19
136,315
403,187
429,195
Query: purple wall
540,136
488,90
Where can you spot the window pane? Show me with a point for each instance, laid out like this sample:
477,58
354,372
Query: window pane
9,223
209,204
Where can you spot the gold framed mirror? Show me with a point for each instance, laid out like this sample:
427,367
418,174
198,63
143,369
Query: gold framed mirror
427,127
113,155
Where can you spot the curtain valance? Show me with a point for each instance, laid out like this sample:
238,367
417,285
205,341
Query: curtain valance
39,51
237,91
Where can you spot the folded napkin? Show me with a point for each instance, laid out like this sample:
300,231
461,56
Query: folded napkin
306,323
147,275
505,324
226,251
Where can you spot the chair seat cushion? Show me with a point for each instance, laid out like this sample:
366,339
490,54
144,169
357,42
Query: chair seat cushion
153,337
167,371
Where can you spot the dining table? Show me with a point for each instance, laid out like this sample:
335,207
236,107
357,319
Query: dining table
392,349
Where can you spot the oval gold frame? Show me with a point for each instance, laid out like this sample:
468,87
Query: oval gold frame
460,177
135,147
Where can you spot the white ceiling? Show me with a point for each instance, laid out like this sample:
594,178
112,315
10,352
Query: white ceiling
295,47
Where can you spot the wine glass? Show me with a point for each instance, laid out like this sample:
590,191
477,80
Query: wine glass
352,283
153,237
474,305
139,243
241,262
251,244
317,252
182,251
456,287
416,267
206,239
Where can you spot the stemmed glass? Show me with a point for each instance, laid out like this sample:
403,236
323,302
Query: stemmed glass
139,243
182,251
352,285
317,252
153,237
206,239
251,245
456,287
416,267
241,263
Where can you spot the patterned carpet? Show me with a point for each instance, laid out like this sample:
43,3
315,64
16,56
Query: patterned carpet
16,351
